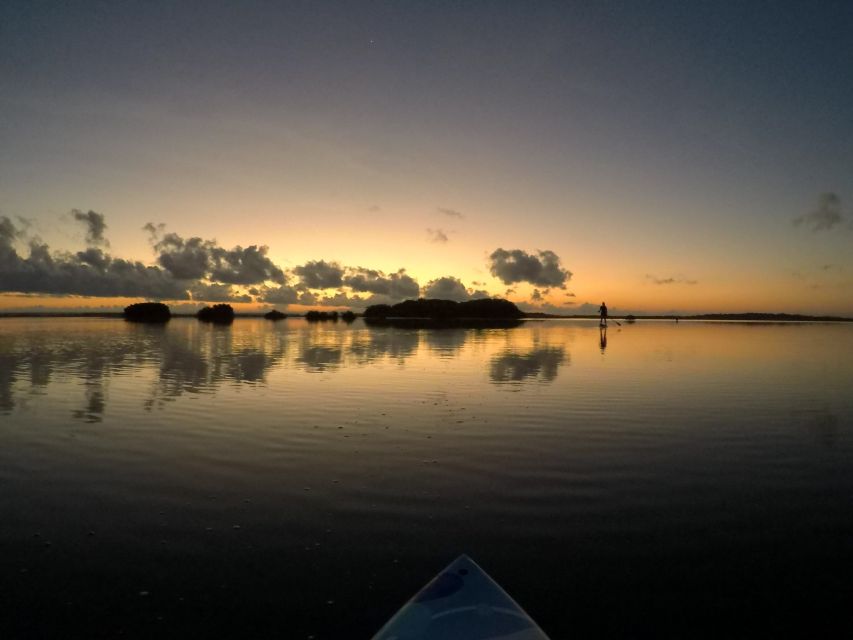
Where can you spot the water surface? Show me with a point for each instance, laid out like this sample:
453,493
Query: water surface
293,480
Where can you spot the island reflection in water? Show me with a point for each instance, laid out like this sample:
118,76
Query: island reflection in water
188,357
323,473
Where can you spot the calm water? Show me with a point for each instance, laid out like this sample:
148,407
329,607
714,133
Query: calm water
292,481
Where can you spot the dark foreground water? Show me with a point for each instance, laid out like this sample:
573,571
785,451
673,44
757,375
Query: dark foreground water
296,481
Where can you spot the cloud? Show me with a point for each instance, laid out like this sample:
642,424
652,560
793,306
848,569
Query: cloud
185,259
280,295
397,286
450,288
216,292
319,274
86,273
825,216
670,280
374,208
542,269
95,226
195,258
437,236
450,213
542,363
244,266
536,295
341,299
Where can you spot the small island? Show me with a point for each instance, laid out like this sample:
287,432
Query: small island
218,313
429,312
154,312
321,316
348,316
275,314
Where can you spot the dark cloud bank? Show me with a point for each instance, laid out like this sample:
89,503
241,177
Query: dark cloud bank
200,270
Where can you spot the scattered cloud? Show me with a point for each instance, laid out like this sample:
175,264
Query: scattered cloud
450,213
437,236
541,269
670,280
217,292
396,286
450,288
86,273
825,216
374,208
319,274
248,265
536,295
280,295
95,226
195,258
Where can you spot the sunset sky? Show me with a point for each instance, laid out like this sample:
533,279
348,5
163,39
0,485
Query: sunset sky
664,156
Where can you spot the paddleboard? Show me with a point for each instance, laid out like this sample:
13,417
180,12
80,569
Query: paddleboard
461,603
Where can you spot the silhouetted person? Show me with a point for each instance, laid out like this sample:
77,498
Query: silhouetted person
602,311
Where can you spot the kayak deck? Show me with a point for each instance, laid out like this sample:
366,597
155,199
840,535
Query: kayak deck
461,603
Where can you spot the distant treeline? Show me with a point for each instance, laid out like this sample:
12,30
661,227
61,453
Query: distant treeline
334,316
433,313
742,317
147,312
767,317
483,308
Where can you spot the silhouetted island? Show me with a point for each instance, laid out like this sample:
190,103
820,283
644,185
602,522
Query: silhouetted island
766,317
348,316
218,313
275,314
319,316
484,312
147,312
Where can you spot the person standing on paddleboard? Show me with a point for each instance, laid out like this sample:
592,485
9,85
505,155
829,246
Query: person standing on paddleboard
602,311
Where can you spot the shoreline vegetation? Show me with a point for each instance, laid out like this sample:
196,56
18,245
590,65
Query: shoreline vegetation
147,312
218,314
485,310
425,312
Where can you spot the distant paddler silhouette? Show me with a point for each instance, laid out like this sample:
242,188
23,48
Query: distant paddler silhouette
602,312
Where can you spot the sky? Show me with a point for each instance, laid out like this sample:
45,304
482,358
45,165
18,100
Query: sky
660,156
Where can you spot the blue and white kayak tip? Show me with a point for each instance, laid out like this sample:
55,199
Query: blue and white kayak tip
461,603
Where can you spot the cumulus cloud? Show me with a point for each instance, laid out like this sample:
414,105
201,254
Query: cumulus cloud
450,213
542,269
95,226
670,280
280,295
244,266
86,273
396,286
185,259
825,216
536,295
319,274
195,258
450,288
217,292
437,236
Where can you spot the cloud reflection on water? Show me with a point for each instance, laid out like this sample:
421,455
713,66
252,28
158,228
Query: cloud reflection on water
185,357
